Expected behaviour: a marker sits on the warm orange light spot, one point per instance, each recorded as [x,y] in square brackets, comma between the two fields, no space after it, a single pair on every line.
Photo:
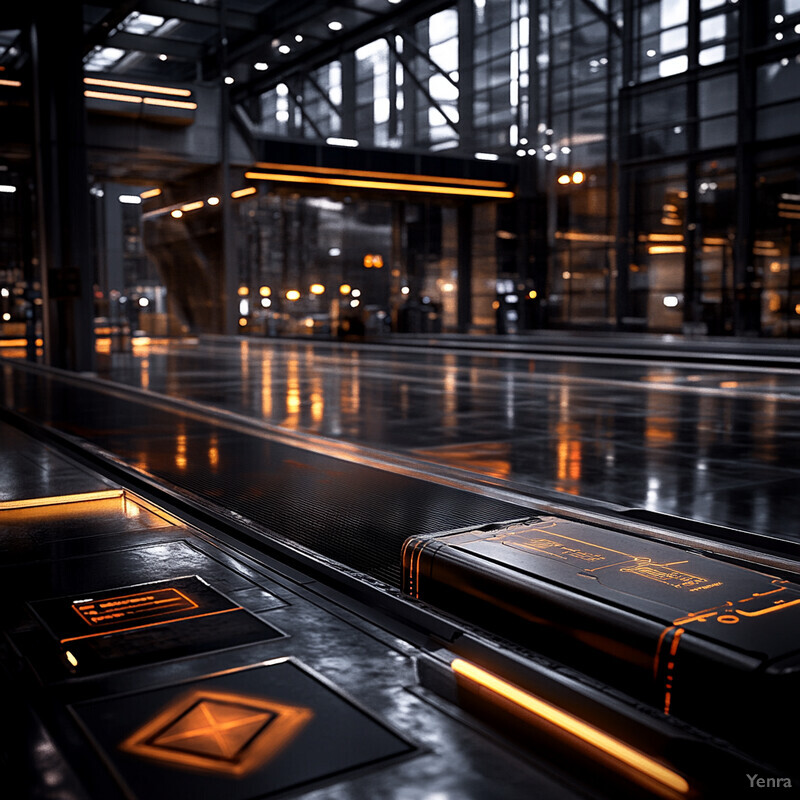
[176,213]
[265,291]
[293,295]
[496,305]
[71,658]
[578,177]
[243,291]
[244,192]
[242,322]
[317,288]
[563,179]
[345,288]
[150,193]
[192,206]
[663,249]
[594,737]
[532,294]
[382,175]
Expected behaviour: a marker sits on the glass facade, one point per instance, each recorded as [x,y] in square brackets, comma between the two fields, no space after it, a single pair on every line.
[654,142]
[655,148]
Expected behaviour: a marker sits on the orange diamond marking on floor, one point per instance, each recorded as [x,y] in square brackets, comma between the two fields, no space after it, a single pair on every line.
[218,731]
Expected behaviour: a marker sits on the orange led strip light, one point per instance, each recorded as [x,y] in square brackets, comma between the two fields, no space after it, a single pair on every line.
[587,733]
[382,175]
[138,87]
[387,185]
[36,502]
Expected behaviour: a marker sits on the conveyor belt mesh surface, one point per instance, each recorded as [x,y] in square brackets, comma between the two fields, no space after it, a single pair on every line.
[355,514]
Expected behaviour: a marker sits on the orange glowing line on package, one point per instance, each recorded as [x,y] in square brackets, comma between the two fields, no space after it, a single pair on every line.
[594,737]
[139,87]
[673,649]
[150,193]
[149,625]
[777,607]
[244,192]
[193,206]
[658,649]
[382,175]
[387,185]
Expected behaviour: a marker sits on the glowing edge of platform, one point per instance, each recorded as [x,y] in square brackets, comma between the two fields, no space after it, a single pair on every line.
[587,733]
[82,497]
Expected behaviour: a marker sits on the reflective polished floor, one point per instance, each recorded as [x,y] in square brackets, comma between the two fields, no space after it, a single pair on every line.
[719,444]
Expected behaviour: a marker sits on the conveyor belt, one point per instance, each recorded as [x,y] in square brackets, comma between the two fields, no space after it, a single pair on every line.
[354,514]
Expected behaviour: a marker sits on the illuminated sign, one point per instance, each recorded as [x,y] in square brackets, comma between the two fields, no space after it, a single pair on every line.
[218,731]
[153,621]
[133,608]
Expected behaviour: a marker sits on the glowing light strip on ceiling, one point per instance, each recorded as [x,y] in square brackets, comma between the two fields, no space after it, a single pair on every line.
[382,175]
[385,185]
[133,98]
[137,87]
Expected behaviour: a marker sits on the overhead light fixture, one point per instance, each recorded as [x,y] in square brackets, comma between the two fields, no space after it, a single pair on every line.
[138,87]
[6,189]
[261,66]
[285,49]
[162,56]
[383,175]
[423,188]
[339,142]
[130,199]
[298,38]
[228,80]
[335,25]
[487,156]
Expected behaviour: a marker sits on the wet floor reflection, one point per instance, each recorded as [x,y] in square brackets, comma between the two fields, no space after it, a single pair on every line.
[716,445]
